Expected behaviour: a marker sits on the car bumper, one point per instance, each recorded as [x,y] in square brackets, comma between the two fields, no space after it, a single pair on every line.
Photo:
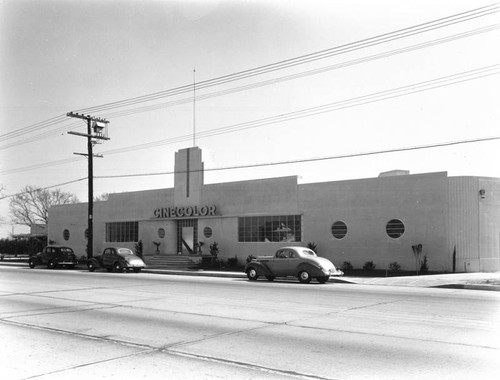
[136,265]
[333,272]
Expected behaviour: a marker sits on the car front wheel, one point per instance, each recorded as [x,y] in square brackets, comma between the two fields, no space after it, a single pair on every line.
[91,266]
[304,277]
[252,274]
[51,264]
[32,263]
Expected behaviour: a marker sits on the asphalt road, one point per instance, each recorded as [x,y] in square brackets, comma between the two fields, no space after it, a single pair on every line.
[63,324]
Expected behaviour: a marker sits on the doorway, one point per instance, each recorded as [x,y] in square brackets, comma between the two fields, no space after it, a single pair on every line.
[187,236]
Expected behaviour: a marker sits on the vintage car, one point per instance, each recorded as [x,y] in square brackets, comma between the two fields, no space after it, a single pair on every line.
[118,259]
[54,256]
[298,262]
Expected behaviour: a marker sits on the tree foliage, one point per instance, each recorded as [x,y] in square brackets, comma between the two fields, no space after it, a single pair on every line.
[32,204]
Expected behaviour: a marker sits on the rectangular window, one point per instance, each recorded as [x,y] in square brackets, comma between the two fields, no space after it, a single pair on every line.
[120,232]
[283,228]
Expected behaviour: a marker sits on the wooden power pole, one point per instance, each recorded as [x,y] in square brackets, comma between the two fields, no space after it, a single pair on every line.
[96,130]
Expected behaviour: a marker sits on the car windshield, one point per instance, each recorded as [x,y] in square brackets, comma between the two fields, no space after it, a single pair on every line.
[124,252]
[308,252]
[66,250]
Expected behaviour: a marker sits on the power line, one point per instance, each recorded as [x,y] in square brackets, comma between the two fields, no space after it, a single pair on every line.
[123,113]
[43,135]
[44,188]
[302,74]
[383,38]
[372,41]
[30,128]
[43,165]
[329,107]
[304,160]
[307,112]
[289,162]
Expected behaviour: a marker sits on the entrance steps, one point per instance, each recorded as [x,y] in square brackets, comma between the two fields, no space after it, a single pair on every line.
[178,262]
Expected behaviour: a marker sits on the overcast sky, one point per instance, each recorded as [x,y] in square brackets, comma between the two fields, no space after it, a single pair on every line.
[430,85]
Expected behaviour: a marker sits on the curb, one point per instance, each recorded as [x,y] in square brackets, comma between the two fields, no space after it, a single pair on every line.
[195,273]
[494,288]
[344,280]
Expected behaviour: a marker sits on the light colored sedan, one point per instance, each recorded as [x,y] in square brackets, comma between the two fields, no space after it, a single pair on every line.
[299,262]
[118,259]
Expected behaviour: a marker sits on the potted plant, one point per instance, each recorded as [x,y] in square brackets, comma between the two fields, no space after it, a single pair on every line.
[157,247]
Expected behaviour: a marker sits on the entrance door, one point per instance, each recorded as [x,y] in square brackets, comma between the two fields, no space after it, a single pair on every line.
[187,236]
[188,239]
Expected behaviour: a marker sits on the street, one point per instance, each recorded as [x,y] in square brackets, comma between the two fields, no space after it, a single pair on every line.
[59,324]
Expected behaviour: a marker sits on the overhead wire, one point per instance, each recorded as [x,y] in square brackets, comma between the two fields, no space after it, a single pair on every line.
[149,108]
[44,188]
[329,107]
[287,162]
[383,38]
[372,41]
[390,53]
[305,160]
[43,135]
[33,127]
[307,112]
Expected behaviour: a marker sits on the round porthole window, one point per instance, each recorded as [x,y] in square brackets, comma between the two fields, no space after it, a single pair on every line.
[395,228]
[161,233]
[207,232]
[66,234]
[339,230]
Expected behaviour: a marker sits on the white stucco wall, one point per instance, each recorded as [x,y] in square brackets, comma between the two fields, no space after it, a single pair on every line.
[365,206]
[438,212]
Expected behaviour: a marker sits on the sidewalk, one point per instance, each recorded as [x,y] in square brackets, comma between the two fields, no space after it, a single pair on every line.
[475,281]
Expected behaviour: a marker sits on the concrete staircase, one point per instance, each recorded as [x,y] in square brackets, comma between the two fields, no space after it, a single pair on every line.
[173,262]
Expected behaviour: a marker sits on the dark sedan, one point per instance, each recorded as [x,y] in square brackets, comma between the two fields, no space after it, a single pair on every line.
[54,256]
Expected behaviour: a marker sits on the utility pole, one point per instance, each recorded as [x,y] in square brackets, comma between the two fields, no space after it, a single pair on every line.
[96,130]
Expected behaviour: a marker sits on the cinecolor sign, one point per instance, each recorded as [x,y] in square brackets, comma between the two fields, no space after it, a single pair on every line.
[185,212]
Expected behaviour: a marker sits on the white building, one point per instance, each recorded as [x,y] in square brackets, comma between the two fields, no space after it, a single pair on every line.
[455,219]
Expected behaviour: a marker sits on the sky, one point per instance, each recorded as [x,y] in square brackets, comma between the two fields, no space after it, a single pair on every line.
[329,80]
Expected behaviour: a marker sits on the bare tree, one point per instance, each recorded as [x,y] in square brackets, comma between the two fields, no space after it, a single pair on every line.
[32,204]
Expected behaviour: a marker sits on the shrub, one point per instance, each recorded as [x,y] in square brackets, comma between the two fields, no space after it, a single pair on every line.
[312,246]
[232,262]
[346,265]
[394,266]
[424,267]
[250,258]
[139,248]
[214,252]
[369,266]
[214,249]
